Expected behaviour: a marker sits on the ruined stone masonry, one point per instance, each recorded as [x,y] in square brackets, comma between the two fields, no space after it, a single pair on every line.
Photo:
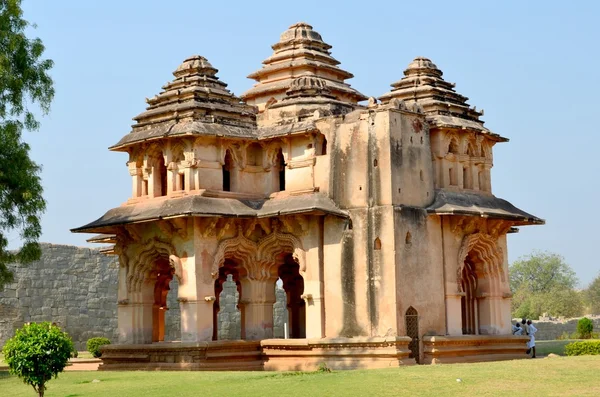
[73,287]
[377,215]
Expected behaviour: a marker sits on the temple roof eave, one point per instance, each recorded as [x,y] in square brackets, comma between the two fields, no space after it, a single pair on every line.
[174,130]
[449,202]
[452,122]
[201,206]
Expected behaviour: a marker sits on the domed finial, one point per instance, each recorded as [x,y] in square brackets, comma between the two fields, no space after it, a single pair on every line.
[422,65]
[301,25]
[195,64]
[300,31]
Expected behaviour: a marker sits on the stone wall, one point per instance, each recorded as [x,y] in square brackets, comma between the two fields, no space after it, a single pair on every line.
[553,329]
[77,289]
[71,286]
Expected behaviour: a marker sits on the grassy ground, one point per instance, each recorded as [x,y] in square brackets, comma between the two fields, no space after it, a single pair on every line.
[545,347]
[561,376]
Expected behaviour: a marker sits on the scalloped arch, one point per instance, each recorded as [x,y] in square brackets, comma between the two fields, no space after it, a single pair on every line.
[487,249]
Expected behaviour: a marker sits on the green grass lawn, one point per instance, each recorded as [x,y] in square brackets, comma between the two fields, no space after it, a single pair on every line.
[561,376]
[545,347]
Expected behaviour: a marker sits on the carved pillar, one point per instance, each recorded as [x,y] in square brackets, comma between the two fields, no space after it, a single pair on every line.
[137,178]
[258,299]
[197,293]
[312,272]
[142,304]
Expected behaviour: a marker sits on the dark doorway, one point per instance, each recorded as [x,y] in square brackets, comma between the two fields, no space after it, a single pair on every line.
[281,167]
[293,284]
[227,167]
[164,275]
[412,331]
[468,301]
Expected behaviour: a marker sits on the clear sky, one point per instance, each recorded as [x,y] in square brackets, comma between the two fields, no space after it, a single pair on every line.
[533,66]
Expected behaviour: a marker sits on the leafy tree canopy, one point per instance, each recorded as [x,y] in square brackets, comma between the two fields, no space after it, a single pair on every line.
[544,282]
[592,296]
[24,81]
[37,353]
[541,272]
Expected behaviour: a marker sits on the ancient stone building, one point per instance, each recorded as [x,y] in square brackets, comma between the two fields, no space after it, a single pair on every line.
[379,219]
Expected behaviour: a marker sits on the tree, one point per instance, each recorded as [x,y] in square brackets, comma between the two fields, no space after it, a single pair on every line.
[37,353]
[544,282]
[24,81]
[592,296]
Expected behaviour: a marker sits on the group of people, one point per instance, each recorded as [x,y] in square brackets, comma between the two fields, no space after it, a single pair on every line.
[526,328]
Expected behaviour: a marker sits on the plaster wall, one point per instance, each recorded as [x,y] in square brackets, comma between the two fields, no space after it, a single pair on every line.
[420,273]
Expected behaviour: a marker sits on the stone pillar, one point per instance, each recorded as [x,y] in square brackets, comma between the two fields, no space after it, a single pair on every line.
[454,314]
[142,313]
[258,297]
[137,177]
[313,283]
[196,296]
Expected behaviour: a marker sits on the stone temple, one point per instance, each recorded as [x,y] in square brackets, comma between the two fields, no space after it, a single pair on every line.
[378,218]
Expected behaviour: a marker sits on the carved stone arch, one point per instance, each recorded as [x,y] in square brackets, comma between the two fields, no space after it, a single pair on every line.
[470,148]
[144,262]
[175,263]
[272,152]
[486,150]
[488,250]
[178,150]
[278,243]
[239,248]
[154,151]
[451,143]
[234,149]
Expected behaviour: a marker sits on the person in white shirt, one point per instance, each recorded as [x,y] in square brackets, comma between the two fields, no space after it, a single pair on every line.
[532,331]
[517,330]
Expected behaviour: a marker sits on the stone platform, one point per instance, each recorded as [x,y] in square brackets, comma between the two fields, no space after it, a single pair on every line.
[268,354]
[473,348]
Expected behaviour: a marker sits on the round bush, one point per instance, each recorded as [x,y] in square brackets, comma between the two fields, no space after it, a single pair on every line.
[37,353]
[93,345]
[585,327]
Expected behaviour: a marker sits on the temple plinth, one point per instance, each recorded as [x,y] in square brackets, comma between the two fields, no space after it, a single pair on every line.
[376,218]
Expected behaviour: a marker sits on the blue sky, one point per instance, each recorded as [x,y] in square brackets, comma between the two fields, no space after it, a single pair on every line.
[533,67]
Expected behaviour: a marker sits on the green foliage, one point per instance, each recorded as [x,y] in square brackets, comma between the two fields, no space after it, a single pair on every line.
[37,353]
[585,327]
[323,368]
[544,282]
[93,345]
[592,296]
[24,81]
[588,347]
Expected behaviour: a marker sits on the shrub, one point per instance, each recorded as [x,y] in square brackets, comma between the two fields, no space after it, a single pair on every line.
[38,352]
[585,326]
[323,368]
[588,347]
[93,345]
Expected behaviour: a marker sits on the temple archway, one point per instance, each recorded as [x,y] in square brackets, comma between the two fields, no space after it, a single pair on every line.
[481,282]
[468,301]
[164,275]
[293,285]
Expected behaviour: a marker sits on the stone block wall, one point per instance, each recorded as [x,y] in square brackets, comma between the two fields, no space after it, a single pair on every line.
[553,329]
[71,286]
